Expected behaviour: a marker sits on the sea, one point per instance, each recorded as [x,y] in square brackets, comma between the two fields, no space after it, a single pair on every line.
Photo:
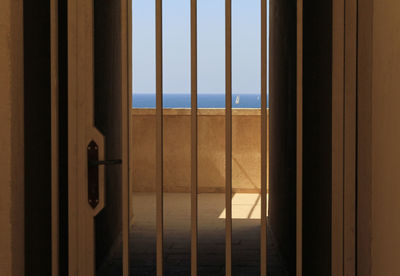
[182,100]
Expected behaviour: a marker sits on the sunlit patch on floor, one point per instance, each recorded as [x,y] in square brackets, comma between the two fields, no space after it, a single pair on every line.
[245,206]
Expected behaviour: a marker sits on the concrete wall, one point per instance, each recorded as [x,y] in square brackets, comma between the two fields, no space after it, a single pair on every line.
[11,139]
[211,130]
[385,148]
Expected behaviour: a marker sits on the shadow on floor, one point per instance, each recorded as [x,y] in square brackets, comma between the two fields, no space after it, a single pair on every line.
[211,237]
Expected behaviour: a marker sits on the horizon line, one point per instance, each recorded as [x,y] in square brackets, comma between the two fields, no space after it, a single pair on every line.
[188,93]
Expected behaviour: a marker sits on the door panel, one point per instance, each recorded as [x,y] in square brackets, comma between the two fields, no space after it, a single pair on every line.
[98,111]
[81,132]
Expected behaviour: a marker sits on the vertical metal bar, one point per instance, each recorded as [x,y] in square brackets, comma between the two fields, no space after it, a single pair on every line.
[194,178]
[228,136]
[159,138]
[299,144]
[264,129]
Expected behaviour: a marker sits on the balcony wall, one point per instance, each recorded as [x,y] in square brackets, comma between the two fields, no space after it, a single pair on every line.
[246,145]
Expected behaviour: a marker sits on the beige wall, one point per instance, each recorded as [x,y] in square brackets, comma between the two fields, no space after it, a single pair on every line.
[246,139]
[386,138]
[11,139]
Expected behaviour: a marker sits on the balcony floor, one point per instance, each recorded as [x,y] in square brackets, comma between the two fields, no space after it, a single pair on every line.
[211,236]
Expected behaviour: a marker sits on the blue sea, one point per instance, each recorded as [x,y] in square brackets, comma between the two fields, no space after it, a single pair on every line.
[203,100]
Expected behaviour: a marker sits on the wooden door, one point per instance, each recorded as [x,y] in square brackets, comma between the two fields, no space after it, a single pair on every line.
[98,108]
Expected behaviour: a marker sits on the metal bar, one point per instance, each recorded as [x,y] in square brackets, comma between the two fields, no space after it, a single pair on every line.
[194,173]
[159,138]
[299,144]
[228,136]
[264,129]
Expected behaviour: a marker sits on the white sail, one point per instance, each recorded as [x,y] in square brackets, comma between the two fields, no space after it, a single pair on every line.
[237,99]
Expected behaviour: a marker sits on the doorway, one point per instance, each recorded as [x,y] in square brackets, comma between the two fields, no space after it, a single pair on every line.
[151,199]
[110,73]
[101,128]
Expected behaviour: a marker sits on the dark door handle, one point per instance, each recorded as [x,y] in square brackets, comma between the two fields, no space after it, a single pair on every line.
[93,172]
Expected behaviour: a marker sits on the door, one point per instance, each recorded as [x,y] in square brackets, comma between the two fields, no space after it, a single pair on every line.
[98,120]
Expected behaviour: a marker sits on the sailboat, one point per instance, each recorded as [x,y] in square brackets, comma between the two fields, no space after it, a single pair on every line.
[237,99]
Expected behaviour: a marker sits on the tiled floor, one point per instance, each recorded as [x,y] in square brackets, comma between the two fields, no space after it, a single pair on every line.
[211,237]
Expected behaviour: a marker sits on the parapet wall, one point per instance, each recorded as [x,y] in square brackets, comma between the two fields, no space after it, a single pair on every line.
[246,146]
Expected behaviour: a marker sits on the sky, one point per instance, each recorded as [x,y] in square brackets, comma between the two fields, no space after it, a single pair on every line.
[246,46]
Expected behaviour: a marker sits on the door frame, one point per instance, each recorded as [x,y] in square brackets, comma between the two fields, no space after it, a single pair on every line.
[126,98]
[343,186]
[364,136]
[344,137]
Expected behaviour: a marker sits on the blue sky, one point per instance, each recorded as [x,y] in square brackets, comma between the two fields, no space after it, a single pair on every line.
[211,46]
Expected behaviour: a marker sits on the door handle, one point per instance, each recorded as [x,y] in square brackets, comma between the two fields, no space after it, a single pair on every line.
[93,172]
